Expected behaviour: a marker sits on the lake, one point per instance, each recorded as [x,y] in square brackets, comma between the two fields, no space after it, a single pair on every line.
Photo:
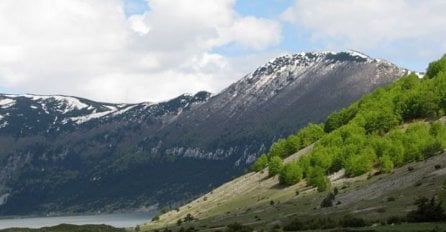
[115,220]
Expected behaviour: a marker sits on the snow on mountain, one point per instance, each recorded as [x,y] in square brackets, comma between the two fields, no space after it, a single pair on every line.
[29,113]
[6,103]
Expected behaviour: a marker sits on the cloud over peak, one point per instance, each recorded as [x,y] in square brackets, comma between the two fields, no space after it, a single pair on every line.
[92,49]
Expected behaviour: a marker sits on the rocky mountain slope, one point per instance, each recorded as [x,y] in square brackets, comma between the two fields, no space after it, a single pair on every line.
[68,154]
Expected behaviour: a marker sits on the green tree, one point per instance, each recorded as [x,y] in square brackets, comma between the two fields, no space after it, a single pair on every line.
[416,139]
[260,163]
[361,163]
[317,178]
[310,134]
[280,149]
[436,67]
[380,121]
[305,163]
[293,144]
[322,157]
[338,119]
[290,174]
[386,163]
[275,165]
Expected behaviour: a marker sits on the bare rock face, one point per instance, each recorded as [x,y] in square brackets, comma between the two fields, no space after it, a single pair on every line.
[69,154]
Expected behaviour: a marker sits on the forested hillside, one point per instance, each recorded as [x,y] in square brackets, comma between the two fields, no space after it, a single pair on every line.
[385,129]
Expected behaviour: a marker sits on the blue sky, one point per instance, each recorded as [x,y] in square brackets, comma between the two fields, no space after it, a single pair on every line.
[153,50]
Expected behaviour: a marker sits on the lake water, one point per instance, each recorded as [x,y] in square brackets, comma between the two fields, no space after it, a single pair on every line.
[116,220]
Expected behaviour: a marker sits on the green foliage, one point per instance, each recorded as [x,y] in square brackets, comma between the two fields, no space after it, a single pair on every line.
[306,136]
[386,163]
[361,163]
[416,140]
[317,178]
[322,157]
[436,67]
[305,163]
[290,174]
[260,163]
[310,134]
[338,119]
[380,121]
[275,166]
[280,149]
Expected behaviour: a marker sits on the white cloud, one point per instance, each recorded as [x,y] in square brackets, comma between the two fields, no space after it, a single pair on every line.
[90,48]
[396,25]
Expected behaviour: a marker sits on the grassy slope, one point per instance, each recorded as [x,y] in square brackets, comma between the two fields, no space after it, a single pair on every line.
[247,199]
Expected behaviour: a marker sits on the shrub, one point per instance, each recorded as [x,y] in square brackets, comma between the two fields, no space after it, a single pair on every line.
[436,67]
[318,179]
[290,174]
[156,218]
[386,164]
[189,218]
[275,166]
[328,200]
[361,163]
[260,163]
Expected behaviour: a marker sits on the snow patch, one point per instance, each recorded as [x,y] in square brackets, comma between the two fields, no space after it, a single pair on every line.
[359,54]
[86,118]
[123,110]
[6,103]
[4,124]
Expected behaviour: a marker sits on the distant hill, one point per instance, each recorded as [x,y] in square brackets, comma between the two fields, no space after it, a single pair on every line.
[68,154]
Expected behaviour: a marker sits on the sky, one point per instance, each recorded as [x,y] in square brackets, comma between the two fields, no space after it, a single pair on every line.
[127,51]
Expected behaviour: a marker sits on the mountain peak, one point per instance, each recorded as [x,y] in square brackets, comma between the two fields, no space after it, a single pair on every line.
[306,59]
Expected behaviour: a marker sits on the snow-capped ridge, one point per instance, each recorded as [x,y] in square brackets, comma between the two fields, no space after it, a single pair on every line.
[306,59]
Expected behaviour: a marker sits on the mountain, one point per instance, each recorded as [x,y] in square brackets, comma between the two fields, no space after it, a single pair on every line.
[377,163]
[68,154]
